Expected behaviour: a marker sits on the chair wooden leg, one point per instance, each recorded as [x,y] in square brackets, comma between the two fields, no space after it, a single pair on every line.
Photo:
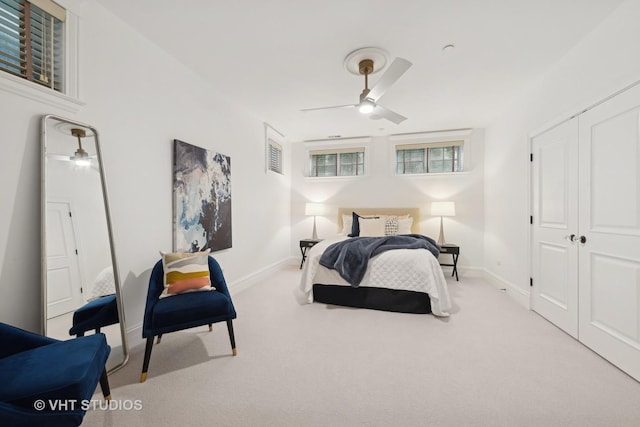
[97,330]
[79,334]
[210,327]
[159,338]
[104,385]
[147,357]
[232,338]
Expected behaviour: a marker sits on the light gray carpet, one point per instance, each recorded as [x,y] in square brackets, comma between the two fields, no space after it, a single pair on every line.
[492,363]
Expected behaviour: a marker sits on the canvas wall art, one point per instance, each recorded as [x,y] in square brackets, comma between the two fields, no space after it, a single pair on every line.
[201,198]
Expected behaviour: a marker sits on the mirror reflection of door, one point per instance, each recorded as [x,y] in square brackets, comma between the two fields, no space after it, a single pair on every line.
[77,243]
[64,293]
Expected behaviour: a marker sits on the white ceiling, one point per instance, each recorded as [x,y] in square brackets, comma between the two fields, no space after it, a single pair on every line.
[275,57]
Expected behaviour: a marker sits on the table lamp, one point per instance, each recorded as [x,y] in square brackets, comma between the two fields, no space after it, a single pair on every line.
[442,209]
[314,209]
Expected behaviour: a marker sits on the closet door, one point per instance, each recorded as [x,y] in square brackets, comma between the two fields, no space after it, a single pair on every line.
[609,216]
[555,219]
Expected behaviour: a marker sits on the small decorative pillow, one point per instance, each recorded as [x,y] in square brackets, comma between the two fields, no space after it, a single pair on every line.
[372,227]
[185,272]
[391,226]
[404,226]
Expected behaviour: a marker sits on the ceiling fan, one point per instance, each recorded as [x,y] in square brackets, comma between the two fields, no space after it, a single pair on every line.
[80,157]
[369,97]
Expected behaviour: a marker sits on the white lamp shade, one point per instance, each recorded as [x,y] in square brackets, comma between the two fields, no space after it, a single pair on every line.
[443,209]
[313,209]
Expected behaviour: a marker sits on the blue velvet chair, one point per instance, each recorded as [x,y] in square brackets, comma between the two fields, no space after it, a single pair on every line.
[186,310]
[94,315]
[44,382]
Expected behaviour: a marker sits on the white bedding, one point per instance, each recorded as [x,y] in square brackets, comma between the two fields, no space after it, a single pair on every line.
[408,269]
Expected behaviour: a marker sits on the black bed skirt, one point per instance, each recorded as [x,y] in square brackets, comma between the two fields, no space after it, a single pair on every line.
[373,298]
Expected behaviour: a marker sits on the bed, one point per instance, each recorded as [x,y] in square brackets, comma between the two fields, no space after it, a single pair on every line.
[400,280]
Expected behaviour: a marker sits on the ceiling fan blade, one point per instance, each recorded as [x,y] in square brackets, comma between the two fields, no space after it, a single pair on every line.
[66,157]
[328,108]
[62,157]
[397,68]
[383,113]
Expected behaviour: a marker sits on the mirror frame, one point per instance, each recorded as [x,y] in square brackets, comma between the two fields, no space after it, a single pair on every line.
[43,231]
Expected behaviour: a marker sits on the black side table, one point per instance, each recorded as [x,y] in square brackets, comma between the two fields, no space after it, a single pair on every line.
[454,250]
[305,245]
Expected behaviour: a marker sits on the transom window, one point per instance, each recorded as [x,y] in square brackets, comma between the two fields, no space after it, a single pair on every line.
[274,157]
[32,41]
[341,162]
[436,157]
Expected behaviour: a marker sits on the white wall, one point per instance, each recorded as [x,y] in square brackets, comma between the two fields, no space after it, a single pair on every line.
[601,64]
[139,99]
[381,187]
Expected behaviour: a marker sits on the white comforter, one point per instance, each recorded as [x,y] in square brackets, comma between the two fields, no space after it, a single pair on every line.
[408,269]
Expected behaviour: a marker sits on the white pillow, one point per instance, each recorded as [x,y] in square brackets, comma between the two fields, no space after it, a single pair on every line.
[371,227]
[404,226]
[347,223]
[104,284]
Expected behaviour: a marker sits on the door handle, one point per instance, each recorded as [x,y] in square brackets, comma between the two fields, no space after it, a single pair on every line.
[583,240]
[570,237]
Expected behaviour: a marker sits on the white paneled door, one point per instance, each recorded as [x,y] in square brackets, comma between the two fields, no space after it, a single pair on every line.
[610,223]
[585,238]
[64,285]
[555,226]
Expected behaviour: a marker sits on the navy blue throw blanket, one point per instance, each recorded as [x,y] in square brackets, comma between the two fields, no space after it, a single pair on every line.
[350,257]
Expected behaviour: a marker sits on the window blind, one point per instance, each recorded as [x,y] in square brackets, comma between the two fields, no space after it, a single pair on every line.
[337,151]
[275,157]
[429,145]
[32,41]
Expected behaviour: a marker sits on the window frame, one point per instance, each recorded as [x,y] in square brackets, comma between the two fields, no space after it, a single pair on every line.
[69,99]
[427,158]
[338,163]
[337,146]
[273,139]
[427,141]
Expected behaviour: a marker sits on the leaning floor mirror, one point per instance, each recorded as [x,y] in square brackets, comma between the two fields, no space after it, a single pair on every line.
[81,292]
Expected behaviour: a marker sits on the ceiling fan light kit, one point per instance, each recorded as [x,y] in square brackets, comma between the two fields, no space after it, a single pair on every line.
[366,106]
[367,61]
[81,157]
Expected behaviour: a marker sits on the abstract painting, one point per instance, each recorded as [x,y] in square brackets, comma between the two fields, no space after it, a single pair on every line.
[201,199]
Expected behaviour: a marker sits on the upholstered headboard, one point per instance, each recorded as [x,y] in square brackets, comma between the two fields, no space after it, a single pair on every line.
[412,212]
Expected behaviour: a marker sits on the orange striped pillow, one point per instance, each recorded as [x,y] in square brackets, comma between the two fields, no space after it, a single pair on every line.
[185,272]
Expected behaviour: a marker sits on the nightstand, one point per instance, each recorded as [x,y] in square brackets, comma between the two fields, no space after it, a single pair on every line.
[305,245]
[454,250]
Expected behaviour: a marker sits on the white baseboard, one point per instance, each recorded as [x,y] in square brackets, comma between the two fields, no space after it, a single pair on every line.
[466,271]
[521,296]
[134,335]
[249,280]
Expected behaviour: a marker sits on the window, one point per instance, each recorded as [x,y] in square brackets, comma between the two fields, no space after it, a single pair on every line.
[436,157]
[32,41]
[274,157]
[345,162]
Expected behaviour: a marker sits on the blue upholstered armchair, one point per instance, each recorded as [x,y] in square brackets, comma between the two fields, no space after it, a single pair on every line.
[94,315]
[185,310]
[44,382]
